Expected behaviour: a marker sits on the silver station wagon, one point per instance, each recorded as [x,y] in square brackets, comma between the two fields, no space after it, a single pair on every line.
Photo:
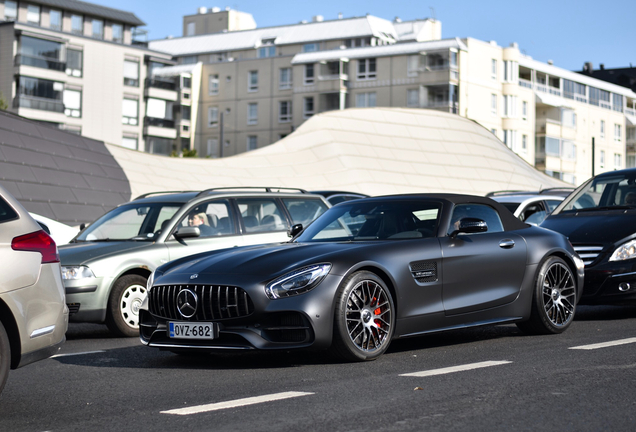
[106,267]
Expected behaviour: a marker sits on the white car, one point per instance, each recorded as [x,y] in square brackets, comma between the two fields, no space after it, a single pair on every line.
[61,233]
[529,207]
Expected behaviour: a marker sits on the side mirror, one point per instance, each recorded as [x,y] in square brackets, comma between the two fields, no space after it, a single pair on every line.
[470,225]
[187,232]
[295,230]
[82,226]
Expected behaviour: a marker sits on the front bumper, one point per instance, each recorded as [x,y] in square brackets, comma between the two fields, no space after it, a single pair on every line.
[87,299]
[610,283]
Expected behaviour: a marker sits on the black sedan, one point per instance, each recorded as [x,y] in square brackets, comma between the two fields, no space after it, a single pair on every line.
[599,218]
[366,272]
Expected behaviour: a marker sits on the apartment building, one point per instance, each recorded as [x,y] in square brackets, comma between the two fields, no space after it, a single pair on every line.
[259,84]
[79,66]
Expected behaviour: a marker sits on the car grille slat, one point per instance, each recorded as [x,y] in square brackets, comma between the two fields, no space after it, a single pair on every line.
[214,302]
[588,253]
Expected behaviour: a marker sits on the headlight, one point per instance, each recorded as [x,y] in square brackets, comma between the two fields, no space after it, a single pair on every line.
[76,272]
[151,280]
[297,282]
[624,252]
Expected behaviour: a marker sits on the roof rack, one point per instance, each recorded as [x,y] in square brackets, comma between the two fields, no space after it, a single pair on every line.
[146,195]
[556,189]
[264,188]
[509,192]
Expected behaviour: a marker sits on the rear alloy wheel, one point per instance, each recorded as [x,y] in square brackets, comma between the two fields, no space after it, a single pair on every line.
[126,297]
[553,300]
[5,356]
[364,318]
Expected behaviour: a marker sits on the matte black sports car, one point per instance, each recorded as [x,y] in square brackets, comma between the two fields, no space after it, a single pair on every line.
[366,272]
[599,218]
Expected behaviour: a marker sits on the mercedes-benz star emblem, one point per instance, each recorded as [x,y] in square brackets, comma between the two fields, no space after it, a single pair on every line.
[187,303]
[194,276]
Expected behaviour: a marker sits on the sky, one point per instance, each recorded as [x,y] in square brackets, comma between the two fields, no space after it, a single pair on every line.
[567,32]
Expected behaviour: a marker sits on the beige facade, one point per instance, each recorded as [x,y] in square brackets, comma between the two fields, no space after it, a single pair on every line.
[215,20]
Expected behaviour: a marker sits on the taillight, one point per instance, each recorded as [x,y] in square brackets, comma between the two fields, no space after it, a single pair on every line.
[38,241]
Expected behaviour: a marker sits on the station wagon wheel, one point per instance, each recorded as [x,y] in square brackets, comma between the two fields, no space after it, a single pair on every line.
[122,314]
[364,318]
[5,356]
[553,300]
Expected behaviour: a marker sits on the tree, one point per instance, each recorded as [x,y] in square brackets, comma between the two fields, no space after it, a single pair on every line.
[3,103]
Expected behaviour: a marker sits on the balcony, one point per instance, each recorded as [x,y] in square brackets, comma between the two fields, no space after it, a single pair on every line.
[158,127]
[161,89]
[40,62]
[161,84]
[38,103]
[159,122]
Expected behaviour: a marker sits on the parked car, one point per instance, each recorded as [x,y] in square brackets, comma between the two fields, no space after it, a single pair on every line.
[529,207]
[599,218]
[106,266]
[33,314]
[61,233]
[336,197]
[366,272]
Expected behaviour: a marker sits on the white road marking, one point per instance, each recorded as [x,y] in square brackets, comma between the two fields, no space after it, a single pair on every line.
[452,369]
[605,344]
[235,403]
[76,354]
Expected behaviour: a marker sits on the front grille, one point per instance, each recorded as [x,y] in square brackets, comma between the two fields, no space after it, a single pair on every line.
[214,302]
[289,327]
[424,271]
[588,253]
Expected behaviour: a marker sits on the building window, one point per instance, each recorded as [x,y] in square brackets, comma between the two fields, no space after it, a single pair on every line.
[10,10]
[509,106]
[511,71]
[98,29]
[40,53]
[186,112]
[310,47]
[55,19]
[188,60]
[130,112]
[252,143]
[186,82]
[568,150]
[118,33]
[617,133]
[493,103]
[568,118]
[284,111]
[602,128]
[493,131]
[510,139]
[366,69]
[453,59]
[40,94]
[212,148]
[601,161]
[160,109]
[213,116]
[493,69]
[412,65]
[617,161]
[630,161]
[190,29]
[365,100]
[413,98]
[131,73]
[33,14]
[129,142]
[524,110]
[252,81]
[73,103]
[267,51]
[77,24]
[524,143]
[285,81]
[574,90]
[309,74]
[213,85]
[74,62]
[252,113]
[308,108]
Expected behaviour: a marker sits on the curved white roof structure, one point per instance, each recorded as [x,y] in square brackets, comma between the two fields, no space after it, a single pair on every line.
[375,151]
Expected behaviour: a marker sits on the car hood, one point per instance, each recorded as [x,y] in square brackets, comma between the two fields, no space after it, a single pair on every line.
[601,227]
[85,252]
[263,260]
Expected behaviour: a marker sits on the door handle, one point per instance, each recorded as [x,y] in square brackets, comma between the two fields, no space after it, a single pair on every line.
[507,244]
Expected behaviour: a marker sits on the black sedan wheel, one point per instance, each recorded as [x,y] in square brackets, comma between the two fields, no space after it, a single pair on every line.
[364,318]
[5,357]
[554,299]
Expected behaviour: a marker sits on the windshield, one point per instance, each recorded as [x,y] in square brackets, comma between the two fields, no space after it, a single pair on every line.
[602,193]
[140,222]
[363,221]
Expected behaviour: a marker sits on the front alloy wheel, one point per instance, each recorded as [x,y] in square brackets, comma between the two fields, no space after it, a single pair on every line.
[364,318]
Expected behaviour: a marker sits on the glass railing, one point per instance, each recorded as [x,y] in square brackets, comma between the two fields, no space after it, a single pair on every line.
[40,62]
[161,84]
[159,122]
[38,103]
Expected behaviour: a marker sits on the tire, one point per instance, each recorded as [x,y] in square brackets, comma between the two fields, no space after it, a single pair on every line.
[364,318]
[553,299]
[5,357]
[122,313]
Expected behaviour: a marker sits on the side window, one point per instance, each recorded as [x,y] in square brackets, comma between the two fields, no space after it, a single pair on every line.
[213,218]
[552,204]
[261,215]
[304,211]
[532,209]
[6,211]
[479,211]
[165,214]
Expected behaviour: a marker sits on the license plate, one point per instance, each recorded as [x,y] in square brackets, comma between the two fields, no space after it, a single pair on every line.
[186,330]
